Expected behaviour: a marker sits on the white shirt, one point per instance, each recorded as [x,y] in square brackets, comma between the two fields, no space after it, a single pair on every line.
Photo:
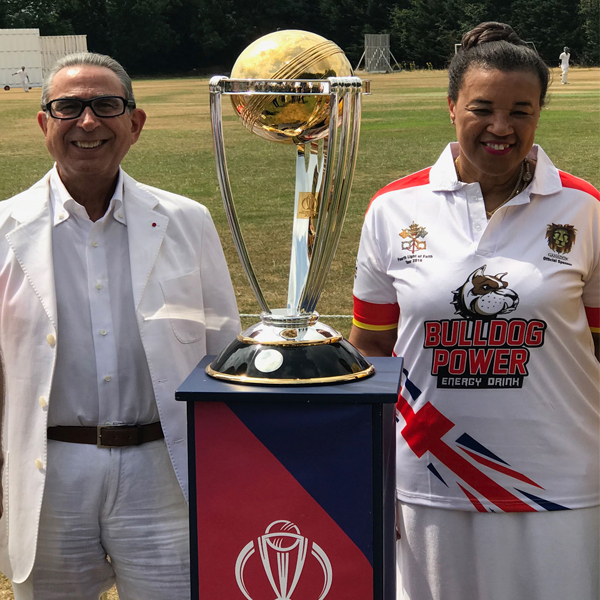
[101,371]
[500,401]
[564,60]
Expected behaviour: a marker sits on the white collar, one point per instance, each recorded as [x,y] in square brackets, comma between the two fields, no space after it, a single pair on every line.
[546,179]
[63,205]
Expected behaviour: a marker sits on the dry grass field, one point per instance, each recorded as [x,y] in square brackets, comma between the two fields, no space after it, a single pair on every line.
[405,127]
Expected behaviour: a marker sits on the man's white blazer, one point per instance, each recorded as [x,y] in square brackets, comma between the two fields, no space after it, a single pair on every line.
[185,308]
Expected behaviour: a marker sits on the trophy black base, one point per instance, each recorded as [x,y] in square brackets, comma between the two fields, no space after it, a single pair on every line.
[318,362]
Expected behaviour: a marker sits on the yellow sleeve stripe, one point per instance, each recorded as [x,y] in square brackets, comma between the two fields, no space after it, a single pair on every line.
[592,329]
[374,327]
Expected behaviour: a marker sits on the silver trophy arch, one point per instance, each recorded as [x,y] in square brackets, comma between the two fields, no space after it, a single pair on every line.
[290,345]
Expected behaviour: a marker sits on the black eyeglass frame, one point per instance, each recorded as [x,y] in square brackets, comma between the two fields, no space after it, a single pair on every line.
[85,103]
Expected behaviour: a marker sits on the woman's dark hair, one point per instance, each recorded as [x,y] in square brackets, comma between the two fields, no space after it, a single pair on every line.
[495,46]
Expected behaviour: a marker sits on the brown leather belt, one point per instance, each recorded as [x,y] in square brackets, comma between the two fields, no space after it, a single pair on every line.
[107,436]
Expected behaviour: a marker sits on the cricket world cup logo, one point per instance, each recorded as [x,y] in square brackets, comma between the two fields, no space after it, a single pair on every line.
[283,552]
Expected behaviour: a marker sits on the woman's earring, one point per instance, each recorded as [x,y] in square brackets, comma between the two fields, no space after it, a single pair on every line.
[452,120]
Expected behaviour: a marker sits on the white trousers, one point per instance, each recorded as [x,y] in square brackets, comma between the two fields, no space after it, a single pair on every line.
[459,555]
[125,503]
[563,75]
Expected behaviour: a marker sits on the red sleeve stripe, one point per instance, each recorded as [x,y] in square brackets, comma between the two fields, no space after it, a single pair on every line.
[570,181]
[414,180]
[593,317]
[377,317]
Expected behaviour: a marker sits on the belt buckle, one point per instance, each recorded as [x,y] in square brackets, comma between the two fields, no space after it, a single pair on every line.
[100,429]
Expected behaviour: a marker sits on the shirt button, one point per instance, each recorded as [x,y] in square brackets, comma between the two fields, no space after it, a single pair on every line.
[477,226]
[98,286]
[120,216]
[103,332]
[107,378]
[43,403]
[95,244]
[61,215]
[39,464]
[51,340]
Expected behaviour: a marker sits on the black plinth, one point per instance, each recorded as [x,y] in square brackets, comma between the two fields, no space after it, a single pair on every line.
[292,489]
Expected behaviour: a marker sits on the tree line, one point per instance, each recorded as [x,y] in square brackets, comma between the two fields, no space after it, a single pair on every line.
[153,37]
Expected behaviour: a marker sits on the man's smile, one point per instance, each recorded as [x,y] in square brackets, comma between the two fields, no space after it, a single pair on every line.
[88,145]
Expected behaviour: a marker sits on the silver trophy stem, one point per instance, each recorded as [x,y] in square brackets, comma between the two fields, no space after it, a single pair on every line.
[311,292]
[336,188]
[226,194]
[309,175]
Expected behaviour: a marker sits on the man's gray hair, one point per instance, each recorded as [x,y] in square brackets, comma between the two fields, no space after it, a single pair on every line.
[87,58]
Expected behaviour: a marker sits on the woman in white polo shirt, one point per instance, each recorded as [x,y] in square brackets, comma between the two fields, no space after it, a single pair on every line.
[483,272]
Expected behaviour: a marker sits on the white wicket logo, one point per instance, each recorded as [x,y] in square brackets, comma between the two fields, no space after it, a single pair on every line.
[279,540]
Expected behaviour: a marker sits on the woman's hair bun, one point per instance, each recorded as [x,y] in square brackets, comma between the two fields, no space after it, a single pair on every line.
[490,31]
[495,46]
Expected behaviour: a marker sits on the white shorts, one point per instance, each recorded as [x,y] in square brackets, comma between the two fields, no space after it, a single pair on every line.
[460,555]
[125,503]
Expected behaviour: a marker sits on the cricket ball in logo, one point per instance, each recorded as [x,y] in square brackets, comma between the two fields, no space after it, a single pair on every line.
[283,552]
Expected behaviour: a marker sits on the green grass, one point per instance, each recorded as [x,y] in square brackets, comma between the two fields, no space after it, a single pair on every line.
[404,128]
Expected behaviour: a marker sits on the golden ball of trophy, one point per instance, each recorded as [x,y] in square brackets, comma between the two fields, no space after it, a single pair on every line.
[288,54]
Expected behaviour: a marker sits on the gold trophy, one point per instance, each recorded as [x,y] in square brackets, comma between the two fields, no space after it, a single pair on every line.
[295,87]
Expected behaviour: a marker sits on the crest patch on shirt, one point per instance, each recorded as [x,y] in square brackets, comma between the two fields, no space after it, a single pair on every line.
[561,238]
[411,236]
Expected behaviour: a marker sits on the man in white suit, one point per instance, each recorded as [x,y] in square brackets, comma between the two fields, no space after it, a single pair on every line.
[110,293]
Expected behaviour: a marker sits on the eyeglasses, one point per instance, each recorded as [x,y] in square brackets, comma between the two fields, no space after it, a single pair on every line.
[104,107]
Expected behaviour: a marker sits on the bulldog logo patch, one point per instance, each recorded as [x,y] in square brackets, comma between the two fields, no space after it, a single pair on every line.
[484,296]
[481,350]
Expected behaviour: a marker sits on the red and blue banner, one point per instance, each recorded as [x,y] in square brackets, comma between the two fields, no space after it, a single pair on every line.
[292,488]
[285,500]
